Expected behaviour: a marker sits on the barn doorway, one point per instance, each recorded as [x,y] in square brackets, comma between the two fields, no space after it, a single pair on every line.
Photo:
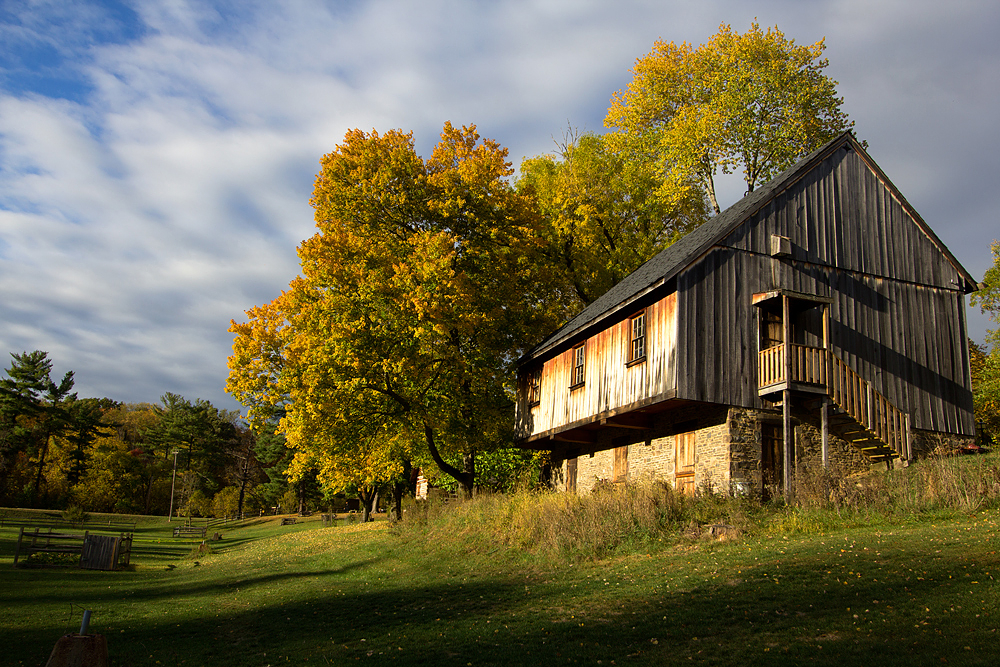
[684,462]
[621,464]
[772,469]
[571,475]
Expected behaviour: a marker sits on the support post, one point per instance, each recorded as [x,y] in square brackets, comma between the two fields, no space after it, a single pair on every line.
[786,399]
[869,416]
[173,478]
[825,426]
[787,443]
[17,549]
[909,442]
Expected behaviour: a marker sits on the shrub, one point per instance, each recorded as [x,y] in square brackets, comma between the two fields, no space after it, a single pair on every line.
[226,502]
[75,515]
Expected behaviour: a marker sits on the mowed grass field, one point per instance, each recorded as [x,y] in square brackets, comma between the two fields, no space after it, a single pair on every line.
[919,593]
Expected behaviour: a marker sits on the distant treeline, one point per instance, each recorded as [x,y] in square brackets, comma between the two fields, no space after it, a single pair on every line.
[58,450]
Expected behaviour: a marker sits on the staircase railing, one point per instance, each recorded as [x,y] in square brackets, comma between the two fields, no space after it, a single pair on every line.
[853,394]
[868,406]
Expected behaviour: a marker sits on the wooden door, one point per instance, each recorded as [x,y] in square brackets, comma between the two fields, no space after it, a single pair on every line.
[621,464]
[771,460]
[772,329]
[684,460]
[571,475]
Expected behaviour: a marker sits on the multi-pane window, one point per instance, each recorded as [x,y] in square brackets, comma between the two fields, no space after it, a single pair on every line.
[535,386]
[579,360]
[637,346]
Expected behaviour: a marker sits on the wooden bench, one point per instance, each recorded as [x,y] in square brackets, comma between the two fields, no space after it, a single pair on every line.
[288,521]
[190,531]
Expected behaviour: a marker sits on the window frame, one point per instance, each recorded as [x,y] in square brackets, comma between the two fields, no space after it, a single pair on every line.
[534,387]
[579,373]
[633,339]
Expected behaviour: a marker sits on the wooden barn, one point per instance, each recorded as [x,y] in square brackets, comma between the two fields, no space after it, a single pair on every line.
[817,322]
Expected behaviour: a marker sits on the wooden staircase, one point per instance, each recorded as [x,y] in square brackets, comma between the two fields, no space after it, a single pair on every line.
[857,412]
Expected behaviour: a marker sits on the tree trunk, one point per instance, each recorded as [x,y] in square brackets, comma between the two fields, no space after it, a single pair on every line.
[239,505]
[465,478]
[41,465]
[396,510]
[367,496]
[469,476]
[149,491]
[710,190]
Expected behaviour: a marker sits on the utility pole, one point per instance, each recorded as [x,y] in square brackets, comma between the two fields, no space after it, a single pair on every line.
[173,478]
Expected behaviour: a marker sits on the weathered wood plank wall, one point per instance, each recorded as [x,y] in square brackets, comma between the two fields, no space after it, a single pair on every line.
[610,383]
[897,316]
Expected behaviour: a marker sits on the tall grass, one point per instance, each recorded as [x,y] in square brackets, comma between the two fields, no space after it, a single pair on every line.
[625,518]
[936,483]
[612,519]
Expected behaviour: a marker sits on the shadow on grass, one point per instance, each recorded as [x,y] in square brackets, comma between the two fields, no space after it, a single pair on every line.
[59,583]
[782,613]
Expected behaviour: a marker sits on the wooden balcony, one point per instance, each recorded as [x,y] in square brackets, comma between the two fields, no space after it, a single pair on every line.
[808,368]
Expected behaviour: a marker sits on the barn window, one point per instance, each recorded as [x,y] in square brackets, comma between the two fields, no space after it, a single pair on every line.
[579,359]
[637,338]
[535,386]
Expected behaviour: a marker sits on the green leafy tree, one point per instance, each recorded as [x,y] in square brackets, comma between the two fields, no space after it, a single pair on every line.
[33,411]
[985,392]
[602,219]
[986,362]
[756,102]
[227,502]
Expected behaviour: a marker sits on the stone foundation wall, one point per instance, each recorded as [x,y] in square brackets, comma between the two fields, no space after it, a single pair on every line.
[845,459]
[653,457]
[593,467]
[928,443]
[745,438]
[728,451]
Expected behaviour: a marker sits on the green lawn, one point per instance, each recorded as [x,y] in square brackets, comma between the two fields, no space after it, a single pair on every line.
[923,593]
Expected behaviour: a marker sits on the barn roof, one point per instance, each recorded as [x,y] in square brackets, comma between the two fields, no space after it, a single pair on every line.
[690,248]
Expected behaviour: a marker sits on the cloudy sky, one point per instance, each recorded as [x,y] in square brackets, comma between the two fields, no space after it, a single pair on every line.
[157,157]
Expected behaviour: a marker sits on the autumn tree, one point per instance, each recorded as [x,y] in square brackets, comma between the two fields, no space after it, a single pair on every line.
[417,294]
[755,102]
[985,360]
[602,216]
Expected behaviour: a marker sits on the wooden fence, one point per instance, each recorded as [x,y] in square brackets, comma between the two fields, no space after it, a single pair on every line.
[96,552]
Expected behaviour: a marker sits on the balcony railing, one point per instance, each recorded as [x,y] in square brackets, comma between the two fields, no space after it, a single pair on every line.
[808,366]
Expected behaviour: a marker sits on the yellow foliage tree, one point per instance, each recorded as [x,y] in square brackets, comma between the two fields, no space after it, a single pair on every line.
[605,211]
[985,360]
[756,102]
[417,293]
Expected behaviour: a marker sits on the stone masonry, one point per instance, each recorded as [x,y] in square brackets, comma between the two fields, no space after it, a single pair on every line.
[728,451]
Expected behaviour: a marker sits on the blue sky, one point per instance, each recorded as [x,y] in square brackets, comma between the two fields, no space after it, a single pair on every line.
[156,158]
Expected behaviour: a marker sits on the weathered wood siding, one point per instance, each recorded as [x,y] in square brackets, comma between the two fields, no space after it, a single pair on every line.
[609,382]
[897,317]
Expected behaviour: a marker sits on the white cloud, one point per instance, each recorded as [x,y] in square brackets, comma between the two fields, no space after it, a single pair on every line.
[137,220]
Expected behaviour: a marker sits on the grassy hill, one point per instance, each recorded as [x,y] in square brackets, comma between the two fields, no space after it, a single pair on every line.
[825,585]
